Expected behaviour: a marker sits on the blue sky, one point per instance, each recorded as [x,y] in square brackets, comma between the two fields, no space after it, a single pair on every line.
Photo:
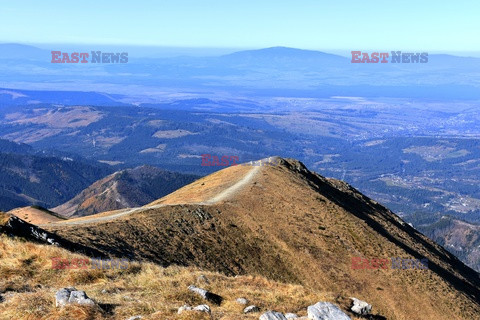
[343,25]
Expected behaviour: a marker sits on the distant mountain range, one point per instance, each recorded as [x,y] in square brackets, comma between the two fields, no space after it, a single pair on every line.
[276,71]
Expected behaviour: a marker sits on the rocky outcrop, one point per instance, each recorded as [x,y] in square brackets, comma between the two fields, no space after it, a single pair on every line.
[71,295]
[15,226]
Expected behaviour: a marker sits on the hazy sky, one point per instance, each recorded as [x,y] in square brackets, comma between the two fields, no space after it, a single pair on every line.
[420,25]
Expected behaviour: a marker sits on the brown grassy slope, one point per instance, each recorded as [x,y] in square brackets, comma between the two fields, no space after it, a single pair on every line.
[28,285]
[292,225]
[35,215]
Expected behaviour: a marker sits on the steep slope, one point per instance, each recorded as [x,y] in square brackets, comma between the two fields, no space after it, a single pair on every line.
[287,223]
[124,189]
[459,237]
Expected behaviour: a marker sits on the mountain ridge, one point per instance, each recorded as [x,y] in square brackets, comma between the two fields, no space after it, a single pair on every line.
[307,235]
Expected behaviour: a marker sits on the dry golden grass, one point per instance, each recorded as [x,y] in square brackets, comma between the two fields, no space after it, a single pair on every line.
[3,218]
[205,188]
[28,285]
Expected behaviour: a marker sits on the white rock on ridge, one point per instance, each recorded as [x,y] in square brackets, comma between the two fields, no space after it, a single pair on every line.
[251,309]
[326,311]
[360,307]
[272,315]
[242,301]
[72,296]
[202,308]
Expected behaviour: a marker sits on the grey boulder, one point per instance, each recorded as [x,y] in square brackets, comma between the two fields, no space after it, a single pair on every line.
[326,311]
[360,307]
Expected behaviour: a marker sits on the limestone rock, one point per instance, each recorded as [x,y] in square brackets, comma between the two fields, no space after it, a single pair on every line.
[326,311]
[202,308]
[209,296]
[360,307]
[72,296]
[251,309]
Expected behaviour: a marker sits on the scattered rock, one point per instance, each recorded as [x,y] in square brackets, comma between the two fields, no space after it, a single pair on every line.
[251,309]
[203,308]
[183,308]
[242,301]
[360,307]
[291,316]
[135,318]
[326,311]
[209,296]
[72,296]
[272,315]
[203,279]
